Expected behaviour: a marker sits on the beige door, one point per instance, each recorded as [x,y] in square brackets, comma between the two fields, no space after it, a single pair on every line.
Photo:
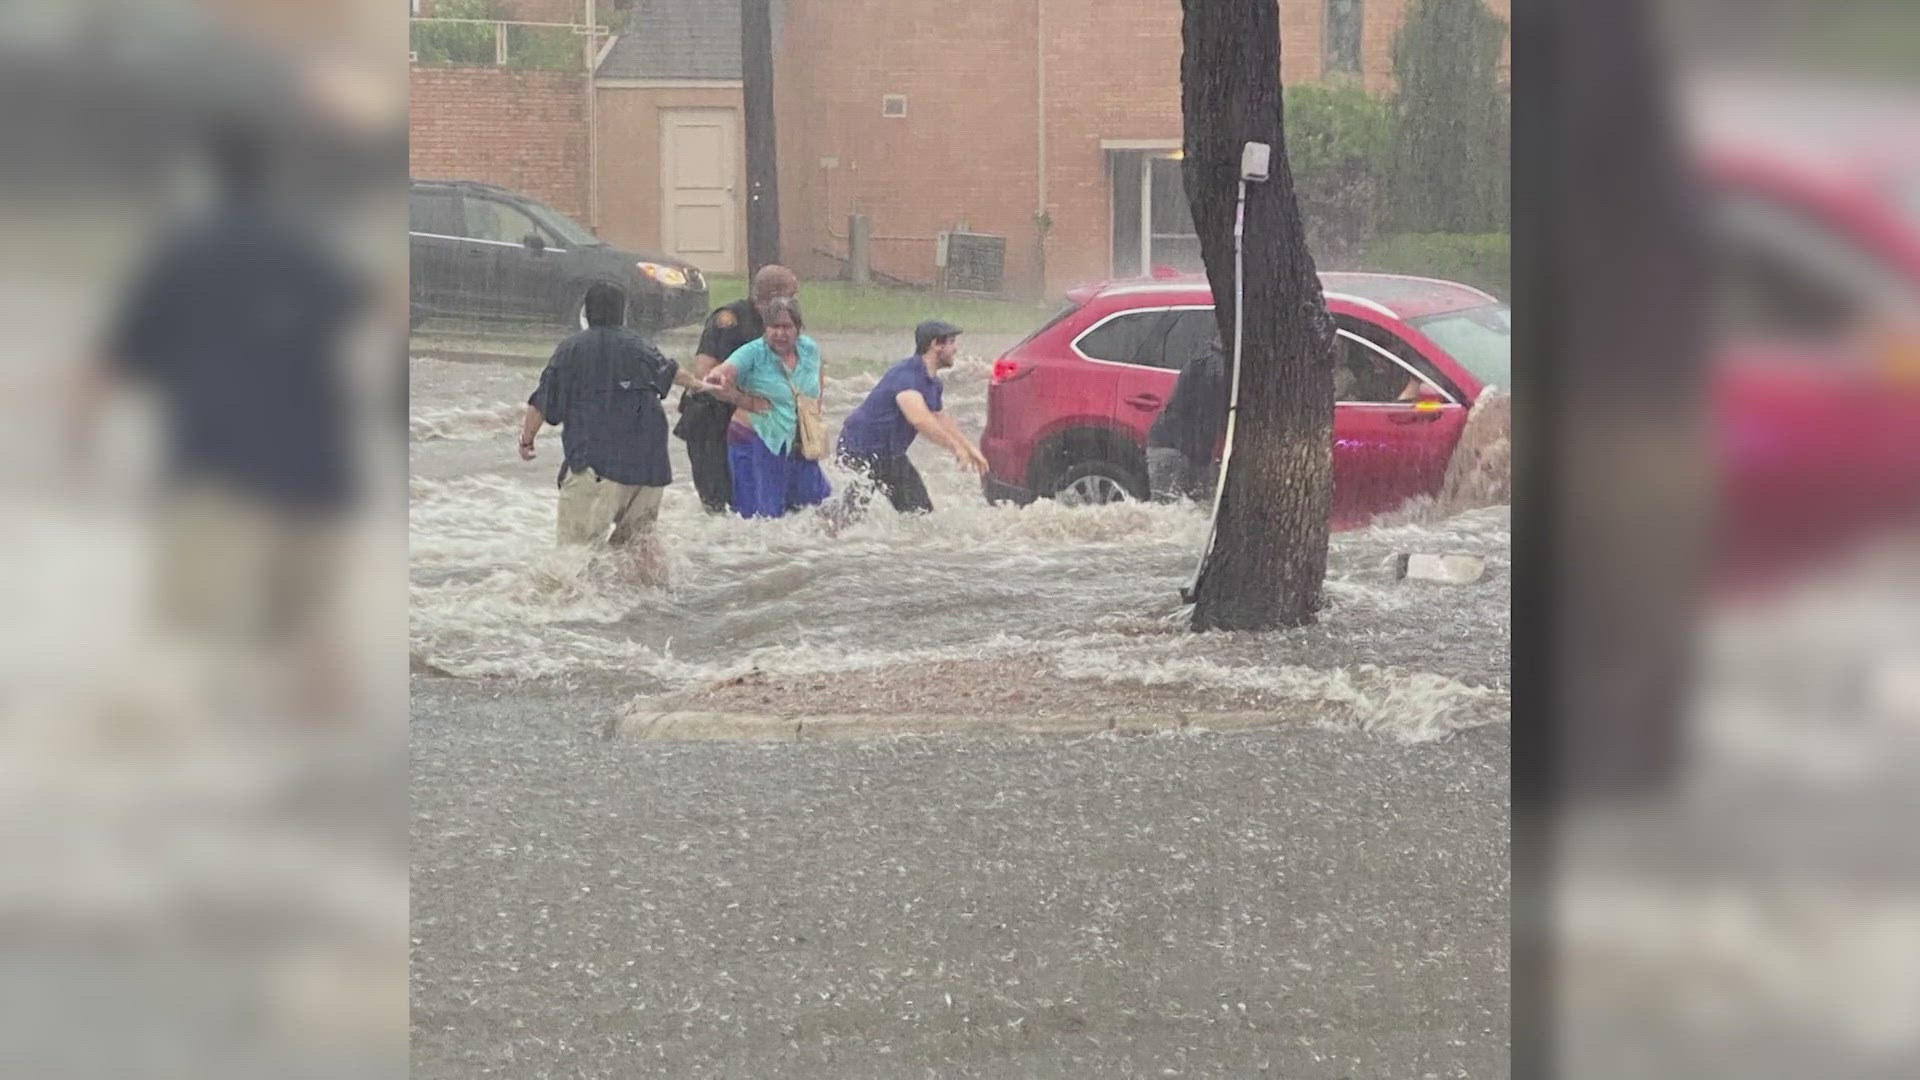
[698,152]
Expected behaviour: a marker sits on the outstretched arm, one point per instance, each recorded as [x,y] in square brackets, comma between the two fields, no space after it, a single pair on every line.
[975,459]
[931,424]
[721,383]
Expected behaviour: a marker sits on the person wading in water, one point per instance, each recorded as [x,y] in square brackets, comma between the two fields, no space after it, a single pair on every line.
[704,418]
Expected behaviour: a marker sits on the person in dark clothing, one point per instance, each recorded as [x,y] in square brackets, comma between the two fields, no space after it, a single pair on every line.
[237,324]
[904,404]
[1185,438]
[704,418]
[603,387]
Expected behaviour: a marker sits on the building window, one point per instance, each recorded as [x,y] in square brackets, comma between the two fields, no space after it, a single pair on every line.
[1344,19]
[893,106]
[1152,224]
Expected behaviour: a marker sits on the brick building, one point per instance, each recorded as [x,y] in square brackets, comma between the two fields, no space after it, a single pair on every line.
[525,130]
[925,116]
[521,129]
[986,115]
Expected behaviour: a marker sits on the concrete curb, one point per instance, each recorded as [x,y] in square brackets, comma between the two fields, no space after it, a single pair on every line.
[768,728]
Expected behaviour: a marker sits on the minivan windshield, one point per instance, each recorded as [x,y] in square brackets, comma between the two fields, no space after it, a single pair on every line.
[1480,339]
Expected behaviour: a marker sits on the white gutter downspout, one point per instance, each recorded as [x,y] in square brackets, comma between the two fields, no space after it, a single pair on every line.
[593,121]
[1040,128]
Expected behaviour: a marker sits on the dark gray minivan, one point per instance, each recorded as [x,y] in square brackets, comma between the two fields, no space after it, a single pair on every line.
[480,251]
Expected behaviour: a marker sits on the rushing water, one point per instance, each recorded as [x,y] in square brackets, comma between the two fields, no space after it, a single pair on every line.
[1073,605]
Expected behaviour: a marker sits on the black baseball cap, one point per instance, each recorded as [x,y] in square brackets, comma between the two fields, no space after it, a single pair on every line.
[931,331]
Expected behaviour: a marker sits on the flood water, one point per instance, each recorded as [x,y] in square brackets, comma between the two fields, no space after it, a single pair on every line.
[1044,608]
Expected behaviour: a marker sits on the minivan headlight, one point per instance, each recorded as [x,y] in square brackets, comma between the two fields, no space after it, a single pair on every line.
[670,276]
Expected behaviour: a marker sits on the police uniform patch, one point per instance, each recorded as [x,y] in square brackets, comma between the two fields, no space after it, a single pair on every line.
[725,319]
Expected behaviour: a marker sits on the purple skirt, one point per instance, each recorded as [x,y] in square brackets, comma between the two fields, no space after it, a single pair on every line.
[768,485]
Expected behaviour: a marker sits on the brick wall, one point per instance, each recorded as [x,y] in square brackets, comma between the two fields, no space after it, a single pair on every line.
[525,130]
[967,150]
[964,151]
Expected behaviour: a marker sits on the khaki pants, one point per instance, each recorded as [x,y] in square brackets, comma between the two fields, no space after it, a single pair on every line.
[597,511]
[230,566]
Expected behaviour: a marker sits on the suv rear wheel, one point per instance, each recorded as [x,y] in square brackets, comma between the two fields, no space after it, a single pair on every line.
[1097,483]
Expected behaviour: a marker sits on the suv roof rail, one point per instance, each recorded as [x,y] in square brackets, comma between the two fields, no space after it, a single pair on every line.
[481,185]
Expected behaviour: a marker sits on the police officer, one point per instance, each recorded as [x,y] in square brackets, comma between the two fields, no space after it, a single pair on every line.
[704,417]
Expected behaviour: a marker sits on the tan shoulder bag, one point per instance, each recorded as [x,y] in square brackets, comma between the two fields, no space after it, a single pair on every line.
[812,433]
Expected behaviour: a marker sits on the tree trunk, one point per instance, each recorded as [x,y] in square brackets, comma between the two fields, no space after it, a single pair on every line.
[763,176]
[1615,302]
[1269,556]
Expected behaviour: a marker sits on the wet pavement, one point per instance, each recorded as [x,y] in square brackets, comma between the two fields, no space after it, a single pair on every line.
[1287,903]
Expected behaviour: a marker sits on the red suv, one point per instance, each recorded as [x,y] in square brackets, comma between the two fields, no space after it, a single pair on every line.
[1069,408]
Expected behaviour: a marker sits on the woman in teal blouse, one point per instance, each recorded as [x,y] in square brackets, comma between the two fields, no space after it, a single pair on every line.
[770,477]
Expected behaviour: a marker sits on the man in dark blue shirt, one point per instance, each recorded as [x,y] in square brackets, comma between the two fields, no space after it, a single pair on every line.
[603,387]
[239,324]
[906,403]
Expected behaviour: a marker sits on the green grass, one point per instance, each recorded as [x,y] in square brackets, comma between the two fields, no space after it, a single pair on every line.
[832,306]
[1483,260]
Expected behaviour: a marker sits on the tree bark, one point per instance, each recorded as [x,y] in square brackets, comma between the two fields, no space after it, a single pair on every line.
[1268,561]
[1615,303]
[763,176]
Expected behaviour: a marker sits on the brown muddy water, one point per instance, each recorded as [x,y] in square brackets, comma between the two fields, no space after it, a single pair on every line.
[1043,610]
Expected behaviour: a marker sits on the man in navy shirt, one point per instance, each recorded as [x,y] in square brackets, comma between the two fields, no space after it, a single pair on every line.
[603,387]
[906,403]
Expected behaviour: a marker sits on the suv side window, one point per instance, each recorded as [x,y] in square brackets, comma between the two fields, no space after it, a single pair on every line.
[1190,337]
[1361,375]
[488,219]
[1358,372]
[433,212]
[1133,338]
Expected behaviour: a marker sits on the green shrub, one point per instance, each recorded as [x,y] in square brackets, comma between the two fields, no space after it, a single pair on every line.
[536,48]
[1452,121]
[456,43]
[1483,260]
[1339,140]
[541,48]
[1336,123]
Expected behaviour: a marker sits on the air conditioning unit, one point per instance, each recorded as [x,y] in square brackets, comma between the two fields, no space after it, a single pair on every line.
[975,263]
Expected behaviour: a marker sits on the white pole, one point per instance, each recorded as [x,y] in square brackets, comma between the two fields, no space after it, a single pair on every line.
[593,122]
[1233,395]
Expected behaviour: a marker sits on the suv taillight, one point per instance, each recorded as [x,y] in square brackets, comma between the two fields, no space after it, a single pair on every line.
[1006,369]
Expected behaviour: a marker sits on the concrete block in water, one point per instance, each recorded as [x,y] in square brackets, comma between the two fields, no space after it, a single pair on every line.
[1445,569]
[705,727]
